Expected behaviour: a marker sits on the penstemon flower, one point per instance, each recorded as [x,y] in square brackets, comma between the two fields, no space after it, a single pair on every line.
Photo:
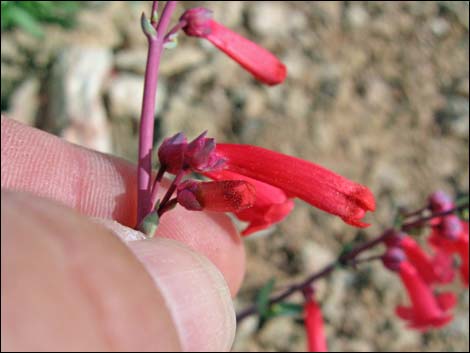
[176,154]
[271,205]
[458,245]
[427,310]
[314,326]
[449,234]
[437,269]
[310,182]
[276,178]
[262,64]
[439,201]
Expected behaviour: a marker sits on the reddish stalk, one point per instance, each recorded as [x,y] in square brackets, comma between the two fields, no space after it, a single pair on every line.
[156,184]
[144,169]
[171,190]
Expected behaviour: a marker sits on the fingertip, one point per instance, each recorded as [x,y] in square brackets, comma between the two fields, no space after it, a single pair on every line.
[195,292]
[211,234]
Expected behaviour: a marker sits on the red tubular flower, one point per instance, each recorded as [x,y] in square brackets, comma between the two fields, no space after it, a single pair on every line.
[464,258]
[458,245]
[449,227]
[218,196]
[310,182]
[271,206]
[314,327]
[437,269]
[427,310]
[263,65]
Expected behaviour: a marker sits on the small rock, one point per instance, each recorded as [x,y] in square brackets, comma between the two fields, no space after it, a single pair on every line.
[76,108]
[315,257]
[230,13]
[125,96]
[298,103]
[268,18]
[379,94]
[255,103]
[131,60]
[454,116]
[357,16]
[24,102]
[440,26]
[177,61]
[278,333]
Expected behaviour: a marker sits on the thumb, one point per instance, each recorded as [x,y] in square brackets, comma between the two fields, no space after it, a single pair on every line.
[194,289]
[69,284]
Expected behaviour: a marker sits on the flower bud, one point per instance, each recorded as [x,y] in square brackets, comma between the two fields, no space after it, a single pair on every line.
[197,21]
[262,64]
[218,196]
[392,258]
[450,227]
[440,201]
[172,151]
[200,154]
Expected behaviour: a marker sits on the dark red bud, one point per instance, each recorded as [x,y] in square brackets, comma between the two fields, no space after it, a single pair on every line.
[439,201]
[392,258]
[197,21]
[450,227]
[393,238]
[200,154]
[172,151]
[187,196]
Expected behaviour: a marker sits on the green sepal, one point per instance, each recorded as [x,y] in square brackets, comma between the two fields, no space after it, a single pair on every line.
[155,16]
[262,301]
[149,224]
[171,44]
[286,309]
[342,260]
[172,41]
[147,27]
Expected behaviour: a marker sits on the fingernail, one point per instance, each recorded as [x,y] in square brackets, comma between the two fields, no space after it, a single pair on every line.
[126,234]
[195,291]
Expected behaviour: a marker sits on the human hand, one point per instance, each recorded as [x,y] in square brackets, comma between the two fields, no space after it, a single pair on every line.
[68,283]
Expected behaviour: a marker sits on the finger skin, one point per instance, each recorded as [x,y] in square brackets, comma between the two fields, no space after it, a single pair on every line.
[68,284]
[103,186]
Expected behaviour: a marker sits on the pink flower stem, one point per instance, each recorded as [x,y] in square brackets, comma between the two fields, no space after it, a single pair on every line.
[347,259]
[154,11]
[415,213]
[362,260]
[175,29]
[171,190]
[156,183]
[169,206]
[423,220]
[144,168]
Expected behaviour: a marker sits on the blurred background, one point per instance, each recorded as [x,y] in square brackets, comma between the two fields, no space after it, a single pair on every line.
[376,91]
